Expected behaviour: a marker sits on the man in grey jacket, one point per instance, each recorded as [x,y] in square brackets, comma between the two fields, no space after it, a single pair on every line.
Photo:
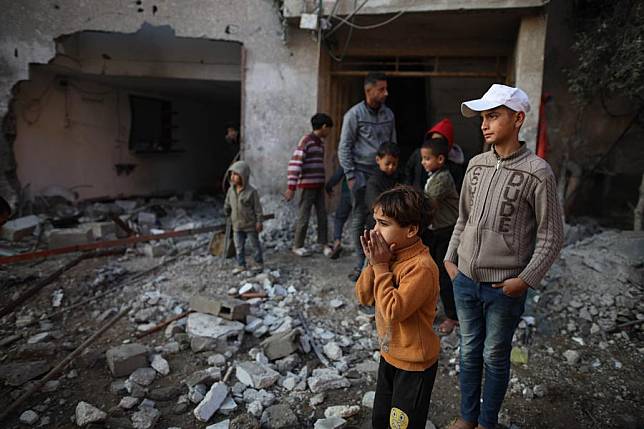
[365,127]
[508,234]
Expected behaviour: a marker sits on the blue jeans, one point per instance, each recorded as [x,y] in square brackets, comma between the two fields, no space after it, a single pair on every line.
[342,213]
[239,238]
[488,319]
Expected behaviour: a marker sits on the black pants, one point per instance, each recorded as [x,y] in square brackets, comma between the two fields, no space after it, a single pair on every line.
[402,397]
[438,241]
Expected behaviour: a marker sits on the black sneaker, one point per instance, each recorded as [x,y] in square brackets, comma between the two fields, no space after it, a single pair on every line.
[335,253]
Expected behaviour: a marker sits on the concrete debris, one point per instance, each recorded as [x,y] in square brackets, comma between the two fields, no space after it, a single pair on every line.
[256,375]
[17,229]
[572,357]
[225,307]
[325,379]
[145,418]
[332,350]
[143,376]
[281,345]
[317,399]
[333,422]
[128,402]
[224,424]
[124,359]
[206,376]
[216,360]
[29,417]
[265,397]
[87,413]
[211,402]
[344,411]
[160,365]
[255,408]
[368,398]
[206,325]
[279,416]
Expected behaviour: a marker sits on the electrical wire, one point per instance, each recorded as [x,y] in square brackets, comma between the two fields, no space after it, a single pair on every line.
[344,20]
[346,43]
[371,26]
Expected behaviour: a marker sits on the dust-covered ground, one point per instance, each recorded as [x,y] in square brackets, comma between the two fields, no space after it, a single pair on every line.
[577,360]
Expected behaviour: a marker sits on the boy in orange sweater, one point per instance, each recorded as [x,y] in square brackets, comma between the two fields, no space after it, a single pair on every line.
[401,280]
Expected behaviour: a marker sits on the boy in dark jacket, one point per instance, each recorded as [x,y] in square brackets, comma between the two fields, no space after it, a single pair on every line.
[245,211]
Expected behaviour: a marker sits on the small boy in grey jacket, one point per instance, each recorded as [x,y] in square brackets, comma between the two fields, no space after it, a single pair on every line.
[243,207]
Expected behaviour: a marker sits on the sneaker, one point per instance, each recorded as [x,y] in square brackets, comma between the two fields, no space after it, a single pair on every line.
[335,252]
[369,310]
[328,251]
[301,251]
[238,270]
[316,248]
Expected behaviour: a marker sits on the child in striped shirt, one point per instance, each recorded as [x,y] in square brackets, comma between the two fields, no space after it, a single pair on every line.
[306,172]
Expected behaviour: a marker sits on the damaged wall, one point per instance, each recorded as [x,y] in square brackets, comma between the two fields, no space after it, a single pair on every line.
[280,79]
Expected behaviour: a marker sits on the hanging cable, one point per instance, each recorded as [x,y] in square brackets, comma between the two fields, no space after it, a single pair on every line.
[372,26]
[344,20]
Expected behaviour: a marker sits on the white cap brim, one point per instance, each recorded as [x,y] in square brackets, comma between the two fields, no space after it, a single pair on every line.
[472,108]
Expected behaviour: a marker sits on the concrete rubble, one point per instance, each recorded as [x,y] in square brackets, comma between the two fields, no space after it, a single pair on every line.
[250,362]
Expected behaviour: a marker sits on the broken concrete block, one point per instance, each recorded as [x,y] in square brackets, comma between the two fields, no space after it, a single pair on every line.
[228,406]
[102,230]
[332,350]
[205,376]
[281,345]
[166,393]
[330,423]
[279,416]
[225,307]
[156,250]
[344,411]
[216,360]
[87,413]
[326,379]
[255,408]
[143,376]
[256,375]
[204,344]
[160,365]
[135,389]
[17,229]
[128,402]
[29,417]
[368,398]
[265,397]
[197,393]
[64,237]
[145,418]
[206,325]
[147,218]
[124,359]
[211,402]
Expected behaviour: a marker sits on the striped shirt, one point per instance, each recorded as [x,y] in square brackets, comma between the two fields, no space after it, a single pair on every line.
[306,167]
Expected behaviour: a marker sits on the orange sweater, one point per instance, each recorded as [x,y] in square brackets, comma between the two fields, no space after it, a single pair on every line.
[405,293]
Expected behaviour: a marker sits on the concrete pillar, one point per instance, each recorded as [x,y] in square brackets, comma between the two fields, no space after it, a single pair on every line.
[528,70]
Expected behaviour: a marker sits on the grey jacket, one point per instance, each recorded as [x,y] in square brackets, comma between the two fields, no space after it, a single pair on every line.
[363,130]
[509,222]
[243,207]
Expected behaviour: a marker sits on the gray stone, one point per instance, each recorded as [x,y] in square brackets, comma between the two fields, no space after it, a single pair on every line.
[145,418]
[69,237]
[430,425]
[205,376]
[216,360]
[330,423]
[29,417]
[279,416]
[367,399]
[225,307]
[281,345]
[572,357]
[540,390]
[211,402]
[256,375]
[206,325]
[43,336]
[17,229]
[204,344]
[290,382]
[288,363]
[326,379]
[344,411]
[143,376]
[135,389]
[128,402]
[50,386]
[87,413]
[160,365]
[117,387]
[332,350]
[255,408]
[264,397]
[228,407]
[124,359]
[17,374]
[197,393]
[166,393]
[317,399]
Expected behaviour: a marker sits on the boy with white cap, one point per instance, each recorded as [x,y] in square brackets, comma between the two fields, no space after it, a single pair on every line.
[508,234]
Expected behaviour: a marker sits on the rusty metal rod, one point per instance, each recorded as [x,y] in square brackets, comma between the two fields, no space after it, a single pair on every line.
[66,361]
[105,244]
[164,324]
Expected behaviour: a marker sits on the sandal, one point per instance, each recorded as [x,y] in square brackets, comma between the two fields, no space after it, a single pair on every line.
[447,326]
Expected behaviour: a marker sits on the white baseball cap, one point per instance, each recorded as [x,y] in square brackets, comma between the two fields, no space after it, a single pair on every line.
[497,95]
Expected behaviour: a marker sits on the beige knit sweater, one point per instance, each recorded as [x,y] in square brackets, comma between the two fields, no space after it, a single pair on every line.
[509,222]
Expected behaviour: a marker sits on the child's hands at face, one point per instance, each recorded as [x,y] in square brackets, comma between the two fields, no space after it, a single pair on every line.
[379,251]
[364,241]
